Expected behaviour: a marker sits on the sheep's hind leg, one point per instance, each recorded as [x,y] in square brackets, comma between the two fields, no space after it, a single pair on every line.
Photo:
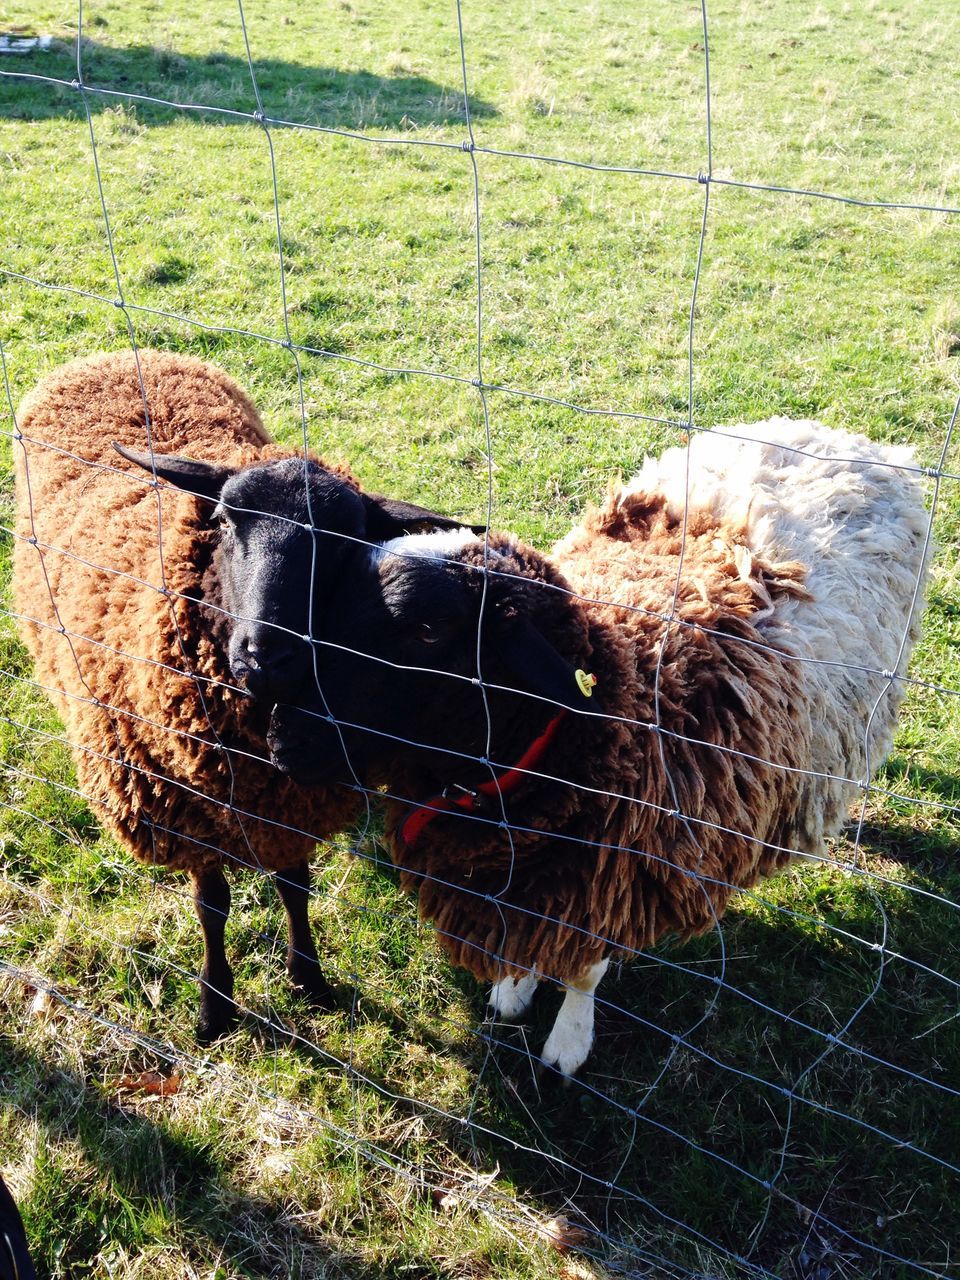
[303,963]
[211,901]
[510,998]
[569,1043]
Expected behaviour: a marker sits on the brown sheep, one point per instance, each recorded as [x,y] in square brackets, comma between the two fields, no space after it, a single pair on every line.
[144,640]
[722,743]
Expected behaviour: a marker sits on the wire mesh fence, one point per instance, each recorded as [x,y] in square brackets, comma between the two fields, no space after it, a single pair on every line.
[777,1096]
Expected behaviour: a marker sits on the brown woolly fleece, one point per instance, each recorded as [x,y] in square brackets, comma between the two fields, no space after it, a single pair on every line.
[559,905]
[118,656]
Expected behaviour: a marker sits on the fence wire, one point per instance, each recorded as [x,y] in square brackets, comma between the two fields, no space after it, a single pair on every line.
[626,1220]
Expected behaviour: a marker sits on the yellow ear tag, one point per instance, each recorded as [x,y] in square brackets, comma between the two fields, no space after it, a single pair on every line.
[585,682]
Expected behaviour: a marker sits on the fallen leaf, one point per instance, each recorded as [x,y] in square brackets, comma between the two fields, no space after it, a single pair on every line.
[151,1083]
[576,1271]
[562,1234]
[446,1200]
[470,1188]
[41,1004]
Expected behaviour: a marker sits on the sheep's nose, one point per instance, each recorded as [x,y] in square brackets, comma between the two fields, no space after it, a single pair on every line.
[269,665]
[267,655]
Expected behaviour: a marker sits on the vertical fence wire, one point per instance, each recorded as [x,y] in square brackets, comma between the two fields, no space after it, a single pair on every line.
[619,1250]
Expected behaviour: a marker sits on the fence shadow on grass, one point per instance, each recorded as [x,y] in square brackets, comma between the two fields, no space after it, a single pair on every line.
[656,1128]
[220,82]
[142,1164]
[695,1126]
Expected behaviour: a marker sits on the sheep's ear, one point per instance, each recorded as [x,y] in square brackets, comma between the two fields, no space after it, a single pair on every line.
[538,666]
[203,478]
[390,518]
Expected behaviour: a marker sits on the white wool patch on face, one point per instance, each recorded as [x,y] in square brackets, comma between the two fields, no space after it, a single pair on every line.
[440,544]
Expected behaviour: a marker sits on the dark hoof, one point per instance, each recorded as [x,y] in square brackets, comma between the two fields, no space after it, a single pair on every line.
[315,990]
[214,1024]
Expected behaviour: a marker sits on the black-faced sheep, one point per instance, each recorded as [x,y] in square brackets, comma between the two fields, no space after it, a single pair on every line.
[144,606]
[710,749]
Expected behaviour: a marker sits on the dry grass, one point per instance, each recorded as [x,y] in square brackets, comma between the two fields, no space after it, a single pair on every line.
[401,1137]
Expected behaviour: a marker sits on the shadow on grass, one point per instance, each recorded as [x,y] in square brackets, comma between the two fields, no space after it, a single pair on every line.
[660,1130]
[150,1173]
[217,83]
[938,784]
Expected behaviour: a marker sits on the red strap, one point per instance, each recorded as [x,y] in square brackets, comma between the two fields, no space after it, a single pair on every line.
[414,823]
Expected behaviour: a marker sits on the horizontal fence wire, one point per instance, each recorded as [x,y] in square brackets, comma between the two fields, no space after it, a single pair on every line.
[636,1233]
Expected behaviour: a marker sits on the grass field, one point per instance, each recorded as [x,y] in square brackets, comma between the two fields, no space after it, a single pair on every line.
[390,1140]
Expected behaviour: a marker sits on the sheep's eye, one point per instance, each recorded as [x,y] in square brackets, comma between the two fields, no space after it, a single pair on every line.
[427,634]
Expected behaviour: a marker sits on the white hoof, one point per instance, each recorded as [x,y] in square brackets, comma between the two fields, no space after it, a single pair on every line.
[569,1043]
[510,999]
[568,1046]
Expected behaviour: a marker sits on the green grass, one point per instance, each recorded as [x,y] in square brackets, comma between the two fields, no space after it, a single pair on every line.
[272,1160]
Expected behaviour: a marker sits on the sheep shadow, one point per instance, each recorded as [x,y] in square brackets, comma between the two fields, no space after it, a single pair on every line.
[676,1116]
[144,1162]
[683,1112]
[216,84]
[679,1115]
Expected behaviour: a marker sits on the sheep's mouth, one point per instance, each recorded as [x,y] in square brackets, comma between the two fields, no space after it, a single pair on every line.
[311,755]
[297,764]
[294,770]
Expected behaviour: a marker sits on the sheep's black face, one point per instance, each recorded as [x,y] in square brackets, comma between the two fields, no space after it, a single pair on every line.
[393,643]
[396,667]
[283,545]
[289,530]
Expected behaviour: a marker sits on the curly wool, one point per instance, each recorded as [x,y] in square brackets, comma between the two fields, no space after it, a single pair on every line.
[780,558]
[138,674]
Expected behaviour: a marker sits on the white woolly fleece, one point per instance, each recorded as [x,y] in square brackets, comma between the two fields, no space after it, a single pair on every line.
[857,521]
[438,544]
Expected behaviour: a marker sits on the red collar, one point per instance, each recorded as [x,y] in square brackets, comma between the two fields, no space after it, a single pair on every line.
[413,825]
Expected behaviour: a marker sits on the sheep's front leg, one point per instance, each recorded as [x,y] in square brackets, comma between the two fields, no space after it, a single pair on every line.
[211,901]
[510,998]
[303,963]
[569,1043]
